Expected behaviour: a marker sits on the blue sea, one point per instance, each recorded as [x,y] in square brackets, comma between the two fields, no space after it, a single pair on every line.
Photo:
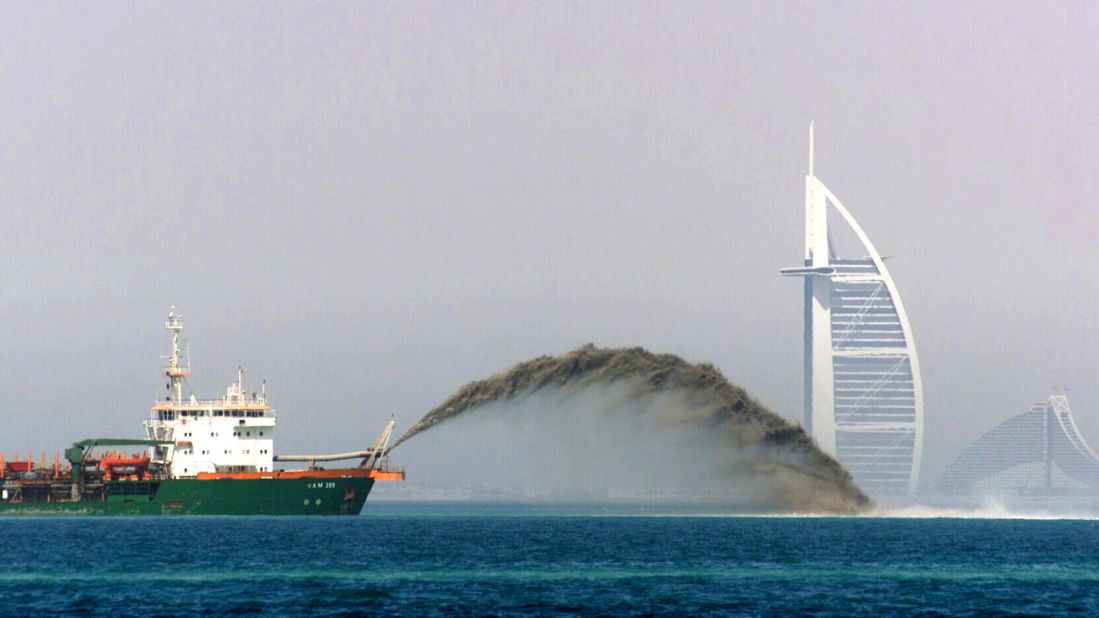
[507,560]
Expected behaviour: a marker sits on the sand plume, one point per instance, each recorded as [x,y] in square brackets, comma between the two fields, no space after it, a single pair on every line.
[751,445]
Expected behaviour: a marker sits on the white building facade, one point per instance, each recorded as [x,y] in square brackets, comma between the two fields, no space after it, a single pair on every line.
[1034,453]
[863,391]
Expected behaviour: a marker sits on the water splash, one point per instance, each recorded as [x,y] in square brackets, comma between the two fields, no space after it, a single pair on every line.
[987,508]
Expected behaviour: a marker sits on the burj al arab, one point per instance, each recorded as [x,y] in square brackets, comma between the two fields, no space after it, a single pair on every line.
[863,392]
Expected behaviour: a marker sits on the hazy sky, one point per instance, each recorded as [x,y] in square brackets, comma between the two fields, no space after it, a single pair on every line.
[371,204]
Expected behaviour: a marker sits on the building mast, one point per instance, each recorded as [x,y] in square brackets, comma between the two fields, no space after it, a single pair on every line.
[810,148]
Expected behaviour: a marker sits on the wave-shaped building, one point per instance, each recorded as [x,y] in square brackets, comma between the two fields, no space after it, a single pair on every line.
[1038,450]
[863,391]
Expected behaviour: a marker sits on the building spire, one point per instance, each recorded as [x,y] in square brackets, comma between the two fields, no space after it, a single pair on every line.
[810,148]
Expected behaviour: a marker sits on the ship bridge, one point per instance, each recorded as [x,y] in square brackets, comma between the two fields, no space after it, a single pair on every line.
[229,434]
[236,403]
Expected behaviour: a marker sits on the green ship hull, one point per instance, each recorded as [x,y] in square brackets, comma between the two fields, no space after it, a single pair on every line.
[271,496]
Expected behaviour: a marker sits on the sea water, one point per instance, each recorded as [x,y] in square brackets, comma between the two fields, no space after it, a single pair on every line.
[424,560]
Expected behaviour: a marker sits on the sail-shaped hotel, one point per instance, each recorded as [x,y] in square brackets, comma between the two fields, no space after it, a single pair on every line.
[863,393]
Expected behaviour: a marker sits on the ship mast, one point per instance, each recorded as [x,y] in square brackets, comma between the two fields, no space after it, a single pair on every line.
[176,370]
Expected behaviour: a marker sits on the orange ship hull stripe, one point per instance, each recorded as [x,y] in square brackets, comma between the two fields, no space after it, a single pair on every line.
[385,475]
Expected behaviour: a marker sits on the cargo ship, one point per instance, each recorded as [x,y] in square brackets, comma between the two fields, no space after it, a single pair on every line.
[198,457]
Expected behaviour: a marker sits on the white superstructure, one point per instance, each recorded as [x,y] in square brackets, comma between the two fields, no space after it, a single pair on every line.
[234,433]
[863,390]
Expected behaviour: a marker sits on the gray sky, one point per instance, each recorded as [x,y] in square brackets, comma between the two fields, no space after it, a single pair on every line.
[370,204]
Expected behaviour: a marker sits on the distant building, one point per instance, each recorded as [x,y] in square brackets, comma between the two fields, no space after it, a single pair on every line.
[863,391]
[1038,450]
